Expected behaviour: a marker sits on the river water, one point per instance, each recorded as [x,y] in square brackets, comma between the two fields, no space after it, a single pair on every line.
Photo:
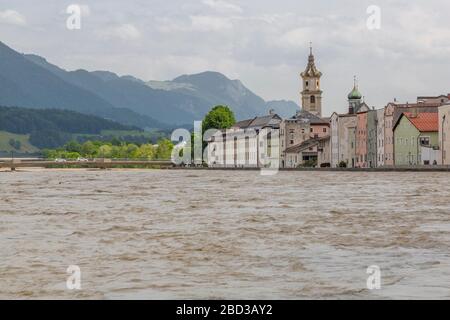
[176,234]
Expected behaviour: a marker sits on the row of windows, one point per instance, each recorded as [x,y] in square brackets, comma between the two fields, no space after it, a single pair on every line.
[424,141]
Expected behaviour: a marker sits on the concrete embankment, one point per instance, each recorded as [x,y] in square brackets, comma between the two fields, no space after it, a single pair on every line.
[381,169]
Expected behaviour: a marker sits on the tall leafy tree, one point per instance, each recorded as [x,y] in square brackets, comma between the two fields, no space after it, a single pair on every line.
[220,117]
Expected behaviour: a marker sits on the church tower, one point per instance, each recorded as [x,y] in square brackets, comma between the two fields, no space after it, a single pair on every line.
[354,98]
[311,94]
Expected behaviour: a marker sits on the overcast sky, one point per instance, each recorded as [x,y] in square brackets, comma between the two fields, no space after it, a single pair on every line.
[263,43]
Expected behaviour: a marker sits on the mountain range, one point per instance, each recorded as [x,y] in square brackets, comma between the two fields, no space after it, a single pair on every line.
[28,80]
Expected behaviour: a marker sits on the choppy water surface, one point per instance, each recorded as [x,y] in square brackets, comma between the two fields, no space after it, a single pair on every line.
[224,234]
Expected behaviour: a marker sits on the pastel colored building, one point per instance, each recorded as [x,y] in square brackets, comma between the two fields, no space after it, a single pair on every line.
[441,99]
[361,150]
[310,152]
[389,134]
[380,137]
[342,140]
[323,152]
[444,134]
[343,131]
[416,138]
[372,138]
[393,111]
[295,134]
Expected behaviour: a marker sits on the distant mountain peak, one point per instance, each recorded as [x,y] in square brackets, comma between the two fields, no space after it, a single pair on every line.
[105,75]
[31,81]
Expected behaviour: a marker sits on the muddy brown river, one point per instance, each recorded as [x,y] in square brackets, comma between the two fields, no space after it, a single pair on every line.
[180,234]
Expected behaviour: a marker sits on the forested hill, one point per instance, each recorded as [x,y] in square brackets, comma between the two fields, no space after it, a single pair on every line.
[50,128]
[24,121]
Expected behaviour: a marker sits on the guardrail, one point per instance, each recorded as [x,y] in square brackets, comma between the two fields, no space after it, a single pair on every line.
[102,164]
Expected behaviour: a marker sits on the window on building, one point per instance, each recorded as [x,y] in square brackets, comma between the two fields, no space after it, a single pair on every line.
[311,130]
[424,141]
[292,141]
[313,99]
[324,130]
[307,84]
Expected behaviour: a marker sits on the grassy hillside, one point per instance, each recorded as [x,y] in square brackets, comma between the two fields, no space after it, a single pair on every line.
[24,145]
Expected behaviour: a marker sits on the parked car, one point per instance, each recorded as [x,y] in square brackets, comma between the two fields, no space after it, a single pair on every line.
[82,160]
[60,160]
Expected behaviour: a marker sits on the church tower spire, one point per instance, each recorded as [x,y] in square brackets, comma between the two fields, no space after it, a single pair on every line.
[354,98]
[311,93]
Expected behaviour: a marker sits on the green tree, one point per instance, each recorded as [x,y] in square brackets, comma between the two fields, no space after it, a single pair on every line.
[88,149]
[70,155]
[146,151]
[164,150]
[73,146]
[105,151]
[220,117]
[132,151]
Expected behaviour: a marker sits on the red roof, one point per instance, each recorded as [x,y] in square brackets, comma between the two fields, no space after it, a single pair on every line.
[424,121]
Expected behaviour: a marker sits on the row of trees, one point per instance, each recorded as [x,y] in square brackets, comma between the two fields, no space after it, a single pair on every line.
[100,149]
[220,117]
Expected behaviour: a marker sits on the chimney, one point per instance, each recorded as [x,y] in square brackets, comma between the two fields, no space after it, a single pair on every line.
[271,112]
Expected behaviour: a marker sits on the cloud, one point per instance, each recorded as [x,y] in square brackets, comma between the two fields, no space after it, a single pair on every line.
[125,31]
[12,17]
[223,6]
[296,38]
[210,23]
[255,38]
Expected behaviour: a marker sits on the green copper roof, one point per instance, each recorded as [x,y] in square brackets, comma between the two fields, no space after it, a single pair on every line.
[355,94]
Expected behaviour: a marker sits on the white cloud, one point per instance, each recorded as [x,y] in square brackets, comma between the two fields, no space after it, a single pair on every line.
[12,17]
[124,32]
[223,6]
[296,38]
[252,38]
[210,23]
